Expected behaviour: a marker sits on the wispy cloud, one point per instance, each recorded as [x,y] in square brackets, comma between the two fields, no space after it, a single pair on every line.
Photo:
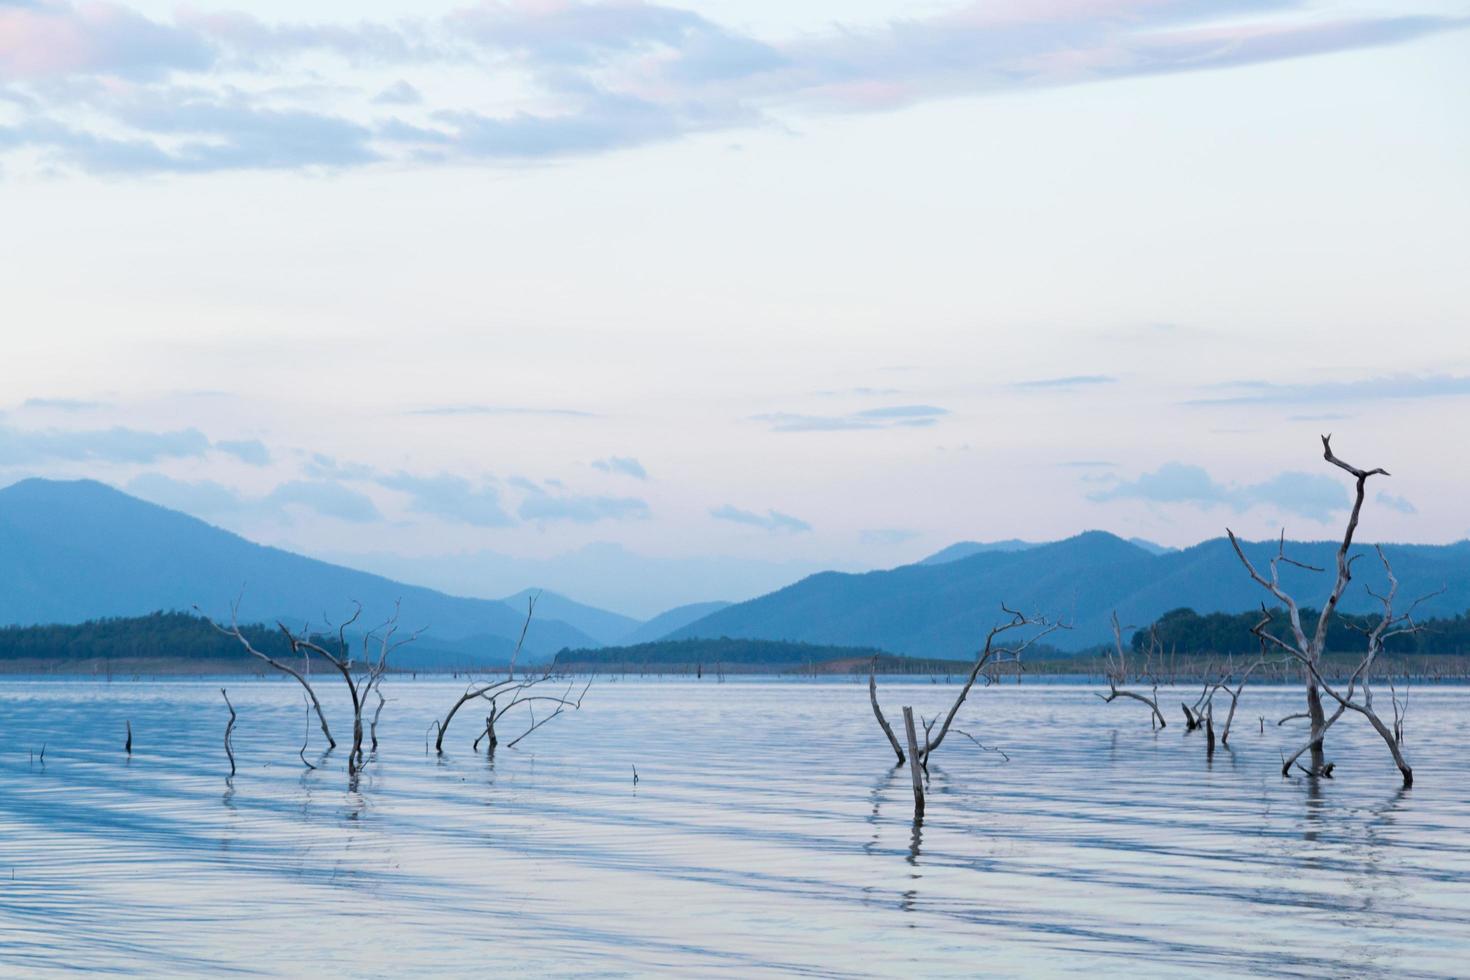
[626,465]
[102,87]
[322,466]
[1393,502]
[327,498]
[1391,387]
[451,498]
[909,416]
[63,404]
[209,499]
[579,509]
[251,451]
[20,447]
[1309,495]
[1070,381]
[501,410]
[772,520]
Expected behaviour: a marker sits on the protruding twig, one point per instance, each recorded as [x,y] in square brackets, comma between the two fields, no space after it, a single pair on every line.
[230,727]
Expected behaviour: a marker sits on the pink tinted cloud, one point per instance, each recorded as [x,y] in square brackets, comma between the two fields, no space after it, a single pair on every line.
[50,39]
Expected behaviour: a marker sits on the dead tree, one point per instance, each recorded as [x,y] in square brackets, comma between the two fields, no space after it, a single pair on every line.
[509,692]
[1117,671]
[234,630]
[361,676]
[993,654]
[1307,649]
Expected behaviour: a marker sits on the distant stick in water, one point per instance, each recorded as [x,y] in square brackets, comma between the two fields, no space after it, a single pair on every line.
[229,727]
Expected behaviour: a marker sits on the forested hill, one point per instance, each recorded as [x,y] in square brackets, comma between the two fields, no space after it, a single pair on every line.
[725,655]
[160,637]
[1185,631]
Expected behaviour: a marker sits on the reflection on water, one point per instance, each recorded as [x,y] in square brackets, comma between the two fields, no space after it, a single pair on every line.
[767,832]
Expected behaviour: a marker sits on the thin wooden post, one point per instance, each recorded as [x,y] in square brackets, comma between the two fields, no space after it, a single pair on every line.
[908,727]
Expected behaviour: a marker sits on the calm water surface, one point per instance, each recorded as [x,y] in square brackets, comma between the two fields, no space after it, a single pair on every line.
[768,834]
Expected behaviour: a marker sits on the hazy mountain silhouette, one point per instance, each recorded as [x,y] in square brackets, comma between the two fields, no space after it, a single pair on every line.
[667,622]
[77,550]
[964,549]
[600,624]
[943,610]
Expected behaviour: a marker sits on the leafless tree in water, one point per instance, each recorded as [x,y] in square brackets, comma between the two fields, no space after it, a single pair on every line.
[992,655]
[1117,671]
[361,676]
[307,691]
[504,694]
[1307,649]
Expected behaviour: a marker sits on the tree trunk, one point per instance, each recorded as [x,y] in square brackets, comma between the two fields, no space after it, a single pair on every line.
[908,726]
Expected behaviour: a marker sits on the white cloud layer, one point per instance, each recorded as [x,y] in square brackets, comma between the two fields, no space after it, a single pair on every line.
[100,87]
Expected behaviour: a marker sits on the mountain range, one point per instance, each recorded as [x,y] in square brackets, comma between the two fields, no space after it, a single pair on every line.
[945,609]
[77,550]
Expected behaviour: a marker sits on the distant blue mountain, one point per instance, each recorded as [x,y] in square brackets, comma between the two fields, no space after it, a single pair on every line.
[667,622]
[943,610]
[964,549]
[73,551]
[600,624]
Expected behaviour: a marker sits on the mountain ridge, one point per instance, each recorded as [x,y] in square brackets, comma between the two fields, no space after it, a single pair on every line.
[76,550]
[943,610]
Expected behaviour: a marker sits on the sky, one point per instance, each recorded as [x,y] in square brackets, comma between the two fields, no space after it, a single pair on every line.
[657,303]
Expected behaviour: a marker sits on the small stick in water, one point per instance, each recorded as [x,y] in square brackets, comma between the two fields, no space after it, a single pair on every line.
[128,745]
[229,727]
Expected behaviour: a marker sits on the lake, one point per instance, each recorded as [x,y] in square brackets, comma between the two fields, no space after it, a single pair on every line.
[767,834]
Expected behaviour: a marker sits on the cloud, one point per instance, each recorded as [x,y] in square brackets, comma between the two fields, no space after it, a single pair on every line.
[19,447]
[327,467]
[326,498]
[626,465]
[1070,381]
[500,410]
[859,392]
[206,498]
[451,498]
[1309,495]
[399,93]
[772,520]
[1393,502]
[202,498]
[1088,464]
[902,412]
[1391,387]
[542,506]
[100,87]
[251,451]
[909,416]
[62,404]
[46,39]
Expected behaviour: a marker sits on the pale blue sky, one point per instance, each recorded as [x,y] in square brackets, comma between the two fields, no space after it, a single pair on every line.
[834,284]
